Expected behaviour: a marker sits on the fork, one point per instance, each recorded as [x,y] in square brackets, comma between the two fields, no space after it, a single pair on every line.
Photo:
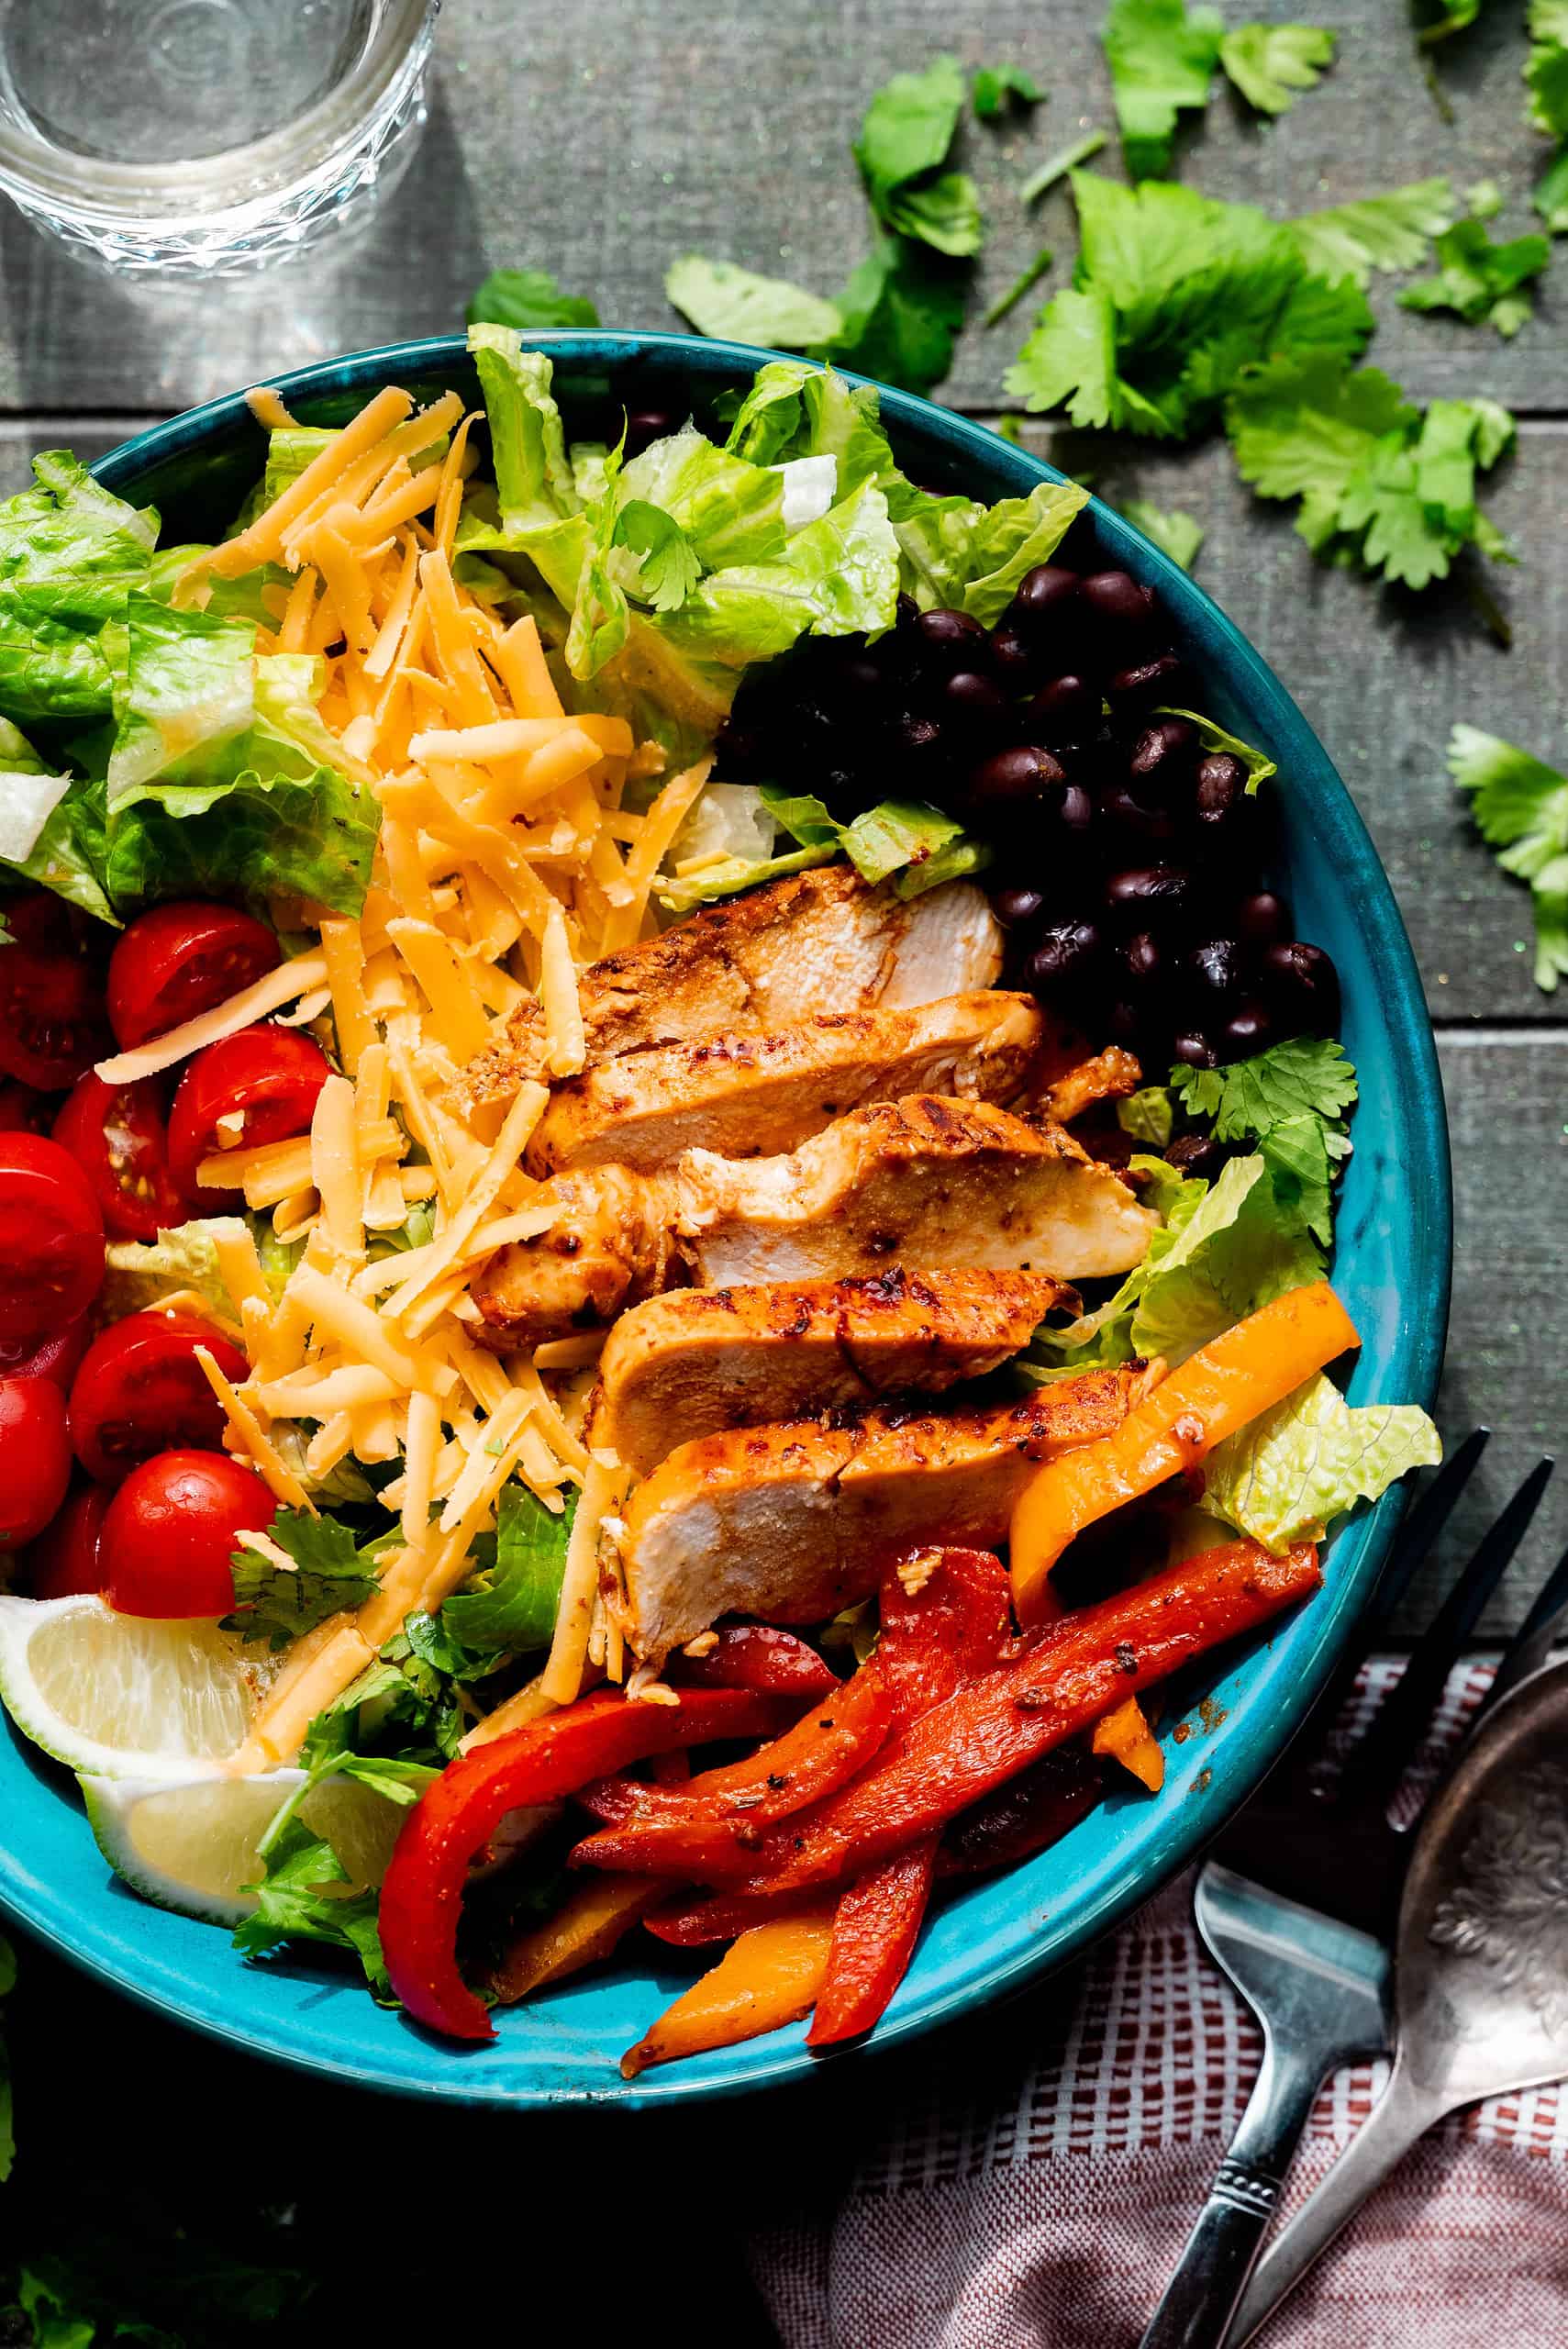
[1297,1901]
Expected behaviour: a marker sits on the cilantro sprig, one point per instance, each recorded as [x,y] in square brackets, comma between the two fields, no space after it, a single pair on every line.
[330,1572]
[1520,806]
[1482,282]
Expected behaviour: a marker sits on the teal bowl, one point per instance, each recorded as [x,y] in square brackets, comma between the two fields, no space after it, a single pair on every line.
[1392,1269]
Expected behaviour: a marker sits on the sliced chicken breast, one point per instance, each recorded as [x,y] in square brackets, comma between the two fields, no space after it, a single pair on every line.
[926,1182]
[823,941]
[1109,1075]
[700,1360]
[753,1097]
[790,1523]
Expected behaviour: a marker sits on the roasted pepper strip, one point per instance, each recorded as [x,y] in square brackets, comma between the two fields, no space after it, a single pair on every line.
[1126,1736]
[756,1655]
[875,1926]
[688,1921]
[1027,1815]
[946,1616]
[769,1978]
[598,1915]
[1221,1387]
[988,1731]
[458,1811]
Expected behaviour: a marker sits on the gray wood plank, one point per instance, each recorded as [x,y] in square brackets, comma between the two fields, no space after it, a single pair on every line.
[613,137]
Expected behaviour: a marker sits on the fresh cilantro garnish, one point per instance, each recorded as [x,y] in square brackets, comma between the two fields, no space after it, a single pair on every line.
[1025,281]
[1384,232]
[1546,75]
[668,569]
[1161,60]
[1481,280]
[1381,482]
[512,1602]
[1056,167]
[1308,1077]
[902,148]
[1146,1116]
[297,1900]
[1456,16]
[902,309]
[1269,63]
[1176,534]
[330,1573]
[1521,806]
[1484,200]
[721,299]
[996,85]
[529,298]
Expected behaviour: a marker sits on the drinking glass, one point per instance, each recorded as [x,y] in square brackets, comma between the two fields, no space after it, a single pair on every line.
[204,138]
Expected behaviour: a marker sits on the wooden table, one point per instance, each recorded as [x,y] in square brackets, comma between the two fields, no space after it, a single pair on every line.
[601,141]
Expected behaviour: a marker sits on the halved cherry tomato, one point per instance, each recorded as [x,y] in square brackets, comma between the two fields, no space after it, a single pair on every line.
[52,1024]
[52,1237]
[46,922]
[264,1079]
[182,959]
[23,1111]
[140,1390]
[57,1356]
[172,1528]
[35,1457]
[64,1558]
[117,1135]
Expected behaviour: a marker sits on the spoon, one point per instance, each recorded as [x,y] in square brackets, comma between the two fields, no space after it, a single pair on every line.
[1481,1977]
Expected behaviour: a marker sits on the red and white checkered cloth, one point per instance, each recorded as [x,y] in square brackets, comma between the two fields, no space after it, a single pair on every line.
[991,2212]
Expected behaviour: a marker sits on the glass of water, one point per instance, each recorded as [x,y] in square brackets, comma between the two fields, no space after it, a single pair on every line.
[202,137]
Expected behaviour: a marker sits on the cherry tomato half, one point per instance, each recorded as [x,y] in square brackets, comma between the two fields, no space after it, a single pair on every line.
[117,1135]
[172,1528]
[23,1111]
[52,1024]
[35,1457]
[266,1077]
[64,1558]
[140,1390]
[51,1237]
[57,1356]
[180,960]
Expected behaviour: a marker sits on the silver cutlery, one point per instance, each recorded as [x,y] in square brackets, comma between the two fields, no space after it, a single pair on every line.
[1298,1901]
[1482,1974]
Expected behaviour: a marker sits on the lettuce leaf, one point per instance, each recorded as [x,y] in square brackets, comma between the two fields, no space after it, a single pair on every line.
[140,1274]
[71,555]
[721,299]
[794,411]
[971,557]
[730,509]
[511,1602]
[1284,1478]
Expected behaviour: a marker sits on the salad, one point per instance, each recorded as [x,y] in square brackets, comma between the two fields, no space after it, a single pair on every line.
[666,1187]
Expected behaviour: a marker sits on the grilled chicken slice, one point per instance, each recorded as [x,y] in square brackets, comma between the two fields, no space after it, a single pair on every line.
[754,1097]
[823,941]
[790,1523]
[1109,1075]
[924,1182]
[700,1360]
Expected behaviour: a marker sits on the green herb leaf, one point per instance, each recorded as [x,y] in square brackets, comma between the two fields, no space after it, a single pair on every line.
[908,127]
[1387,232]
[331,1573]
[1456,18]
[1161,60]
[1480,280]
[1484,200]
[902,308]
[722,299]
[1258,763]
[1147,1115]
[667,568]
[513,1604]
[1520,806]
[1306,1076]
[994,85]
[1285,1478]
[528,299]
[1056,167]
[1174,533]
[1546,66]
[1269,63]
[295,1901]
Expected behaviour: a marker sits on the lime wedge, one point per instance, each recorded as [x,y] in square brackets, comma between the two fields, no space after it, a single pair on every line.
[190,1844]
[117,1695]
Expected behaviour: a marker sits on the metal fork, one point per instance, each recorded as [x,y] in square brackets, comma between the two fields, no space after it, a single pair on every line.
[1299,1900]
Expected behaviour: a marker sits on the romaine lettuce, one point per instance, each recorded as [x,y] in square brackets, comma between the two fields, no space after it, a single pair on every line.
[1284,1477]
[70,554]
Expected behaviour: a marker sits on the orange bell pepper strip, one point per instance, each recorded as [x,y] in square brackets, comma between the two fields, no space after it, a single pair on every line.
[587,1926]
[1126,1736]
[756,1655]
[988,1731]
[458,1812]
[1220,1389]
[769,1978]
[875,1927]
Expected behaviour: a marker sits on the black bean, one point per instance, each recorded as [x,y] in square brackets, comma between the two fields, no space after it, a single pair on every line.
[1050,593]
[1015,658]
[1162,755]
[1073,812]
[1151,895]
[1008,778]
[644,426]
[1195,1154]
[967,694]
[951,639]
[1126,1023]
[1262,918]
[1193,1050]
[741,753]
[1247,1031]
[1066,953]
[1117,598]
[1215,969]
[1143,959]
[1303,984]
[1064,710]
[1221,782]
[1015,908]
[1160,679]
[861,676]
[1124,813]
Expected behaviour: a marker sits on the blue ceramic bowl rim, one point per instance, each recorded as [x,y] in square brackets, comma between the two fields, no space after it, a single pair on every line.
[1317,1637]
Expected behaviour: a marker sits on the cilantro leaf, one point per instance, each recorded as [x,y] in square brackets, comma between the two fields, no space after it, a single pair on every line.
[1268,63]
[512,1603]
[908,129]
[902,307]
[1305,1077]
[1161,61]
[1174,533]
[722,299]
[1481,280]
[1384,232]
[1146,1115]
[943,213]
[1546,67]
[1258,763]
[1551,197]
[1457,16]
[295,1902]
[1520,806]
[529,298]
[668,569]
[279,1606]
[1484,200]
[994,85]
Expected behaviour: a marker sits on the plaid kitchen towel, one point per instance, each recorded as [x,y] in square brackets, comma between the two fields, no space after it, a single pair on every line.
[1045,2212]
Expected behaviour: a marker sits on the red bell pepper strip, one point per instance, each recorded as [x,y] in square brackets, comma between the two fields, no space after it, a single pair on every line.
[952,1626]
[689,1923]
[874,1930]
[988,1731]
[1027,1815]
[458,1813]
[756,1655]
